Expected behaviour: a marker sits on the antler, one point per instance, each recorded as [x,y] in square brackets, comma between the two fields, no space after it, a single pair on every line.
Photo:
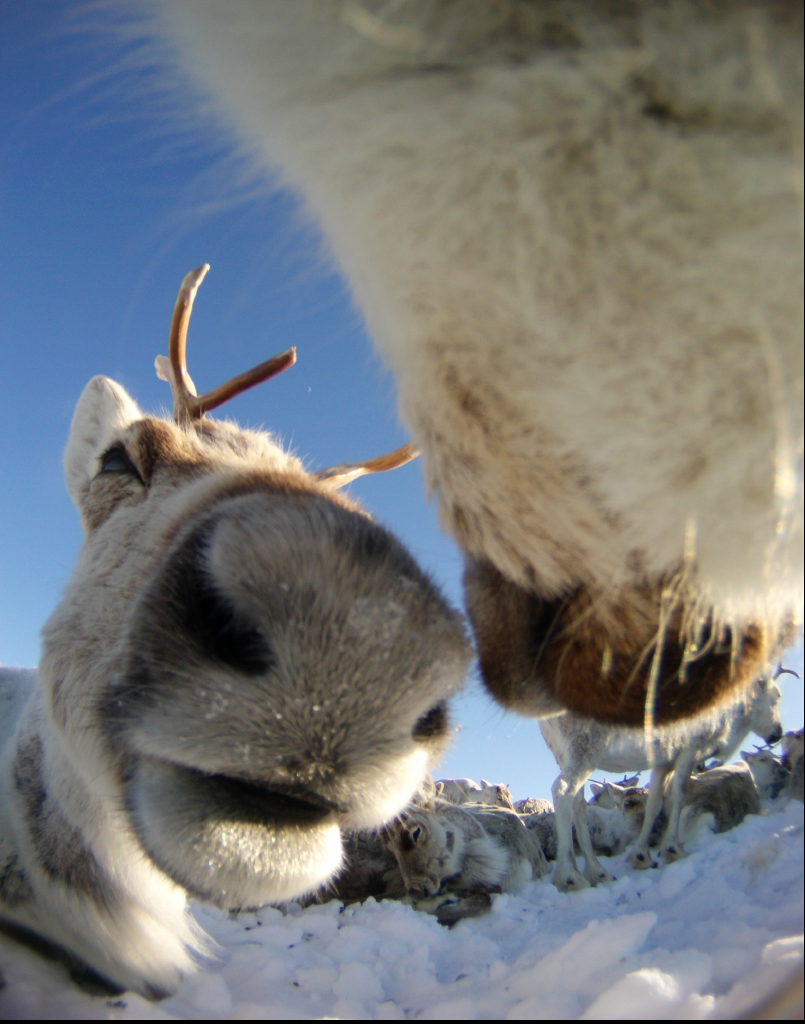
[346,471]
[187,404]
[785,671]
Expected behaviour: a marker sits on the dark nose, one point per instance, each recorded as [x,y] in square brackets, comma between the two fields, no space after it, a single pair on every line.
[775,736]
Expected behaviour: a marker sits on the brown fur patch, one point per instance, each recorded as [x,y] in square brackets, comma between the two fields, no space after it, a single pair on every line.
[594,658]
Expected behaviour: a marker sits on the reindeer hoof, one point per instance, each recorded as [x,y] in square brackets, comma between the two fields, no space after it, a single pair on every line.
[569,881]
[641,860]
[672,853]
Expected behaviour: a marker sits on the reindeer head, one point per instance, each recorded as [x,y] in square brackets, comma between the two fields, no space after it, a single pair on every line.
[497,794]
[768,771]
[425,850]
[764,710]
[243,663]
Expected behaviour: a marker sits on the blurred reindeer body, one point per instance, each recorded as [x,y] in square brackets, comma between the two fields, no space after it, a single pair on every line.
[441,845]
[719,798]
[466,791]
[242,666]
[575,232]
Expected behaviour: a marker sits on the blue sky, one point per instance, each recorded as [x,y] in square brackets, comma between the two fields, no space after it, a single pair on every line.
[104,206]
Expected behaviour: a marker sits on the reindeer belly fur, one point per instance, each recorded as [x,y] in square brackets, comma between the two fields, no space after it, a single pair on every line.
[533,230]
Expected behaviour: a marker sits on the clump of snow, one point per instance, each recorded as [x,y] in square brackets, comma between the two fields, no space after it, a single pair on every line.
[705,937]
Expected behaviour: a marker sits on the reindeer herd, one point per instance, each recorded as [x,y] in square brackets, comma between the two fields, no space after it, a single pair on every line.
[458,843]
[575,235]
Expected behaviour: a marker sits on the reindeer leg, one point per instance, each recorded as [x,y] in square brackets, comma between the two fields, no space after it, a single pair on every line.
[640,857]
[566,876]
[594,871]
[671,848]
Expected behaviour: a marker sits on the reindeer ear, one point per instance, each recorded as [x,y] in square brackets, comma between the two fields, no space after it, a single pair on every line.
[485,784]
[615,792]
[596,788]
[103,409]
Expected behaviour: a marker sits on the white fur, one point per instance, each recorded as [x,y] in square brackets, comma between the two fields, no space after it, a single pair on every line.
[577,240]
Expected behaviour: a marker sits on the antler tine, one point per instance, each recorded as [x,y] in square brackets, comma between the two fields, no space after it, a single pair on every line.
[344,472]
[263,371]
[187,405]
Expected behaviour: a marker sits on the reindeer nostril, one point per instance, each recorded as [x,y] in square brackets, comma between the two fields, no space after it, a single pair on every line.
[237,644]
[432,724]
[217,626]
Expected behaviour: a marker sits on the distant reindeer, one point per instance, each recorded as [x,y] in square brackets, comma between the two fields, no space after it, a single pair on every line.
[533,805]
[769,772]
[242,666]
[574,229]
[580,746]
[465,791]
[611,829]
[631,800]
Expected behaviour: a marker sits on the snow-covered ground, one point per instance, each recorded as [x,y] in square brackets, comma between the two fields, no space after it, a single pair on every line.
[705,937]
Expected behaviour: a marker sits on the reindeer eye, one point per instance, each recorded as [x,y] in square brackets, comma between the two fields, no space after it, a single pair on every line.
[116,460]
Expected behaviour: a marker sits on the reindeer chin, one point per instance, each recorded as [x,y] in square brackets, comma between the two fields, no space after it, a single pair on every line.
[229,842]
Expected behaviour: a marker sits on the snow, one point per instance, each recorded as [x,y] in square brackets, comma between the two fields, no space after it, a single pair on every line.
[705,937]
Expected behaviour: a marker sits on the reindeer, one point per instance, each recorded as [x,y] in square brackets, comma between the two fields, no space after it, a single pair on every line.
[441,846]
[719,798]
[533,805]
[574,231]
[630,799]
[242,666]
[465,791]
[793,757]
[768,771]
[611,829]
[580,746]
